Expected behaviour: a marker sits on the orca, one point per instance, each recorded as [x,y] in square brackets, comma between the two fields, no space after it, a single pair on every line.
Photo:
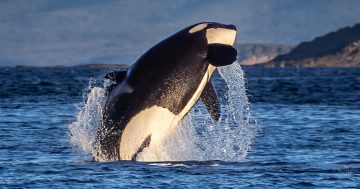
[149,98]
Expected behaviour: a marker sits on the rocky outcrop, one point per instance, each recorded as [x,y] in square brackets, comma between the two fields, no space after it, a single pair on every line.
[251,54]
[336,49]
[252,60]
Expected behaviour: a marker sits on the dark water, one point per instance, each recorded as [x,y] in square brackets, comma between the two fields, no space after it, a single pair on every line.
[309,122]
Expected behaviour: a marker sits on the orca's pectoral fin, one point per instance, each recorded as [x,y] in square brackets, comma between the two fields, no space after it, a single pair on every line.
[221,55]
[117,76]
[211,101]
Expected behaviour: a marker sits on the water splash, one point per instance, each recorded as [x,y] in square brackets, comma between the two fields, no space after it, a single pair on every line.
[239,125]
[196,137]
[83,130]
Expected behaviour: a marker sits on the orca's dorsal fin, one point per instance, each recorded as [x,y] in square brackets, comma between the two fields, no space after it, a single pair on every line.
[211,101]
[117,76]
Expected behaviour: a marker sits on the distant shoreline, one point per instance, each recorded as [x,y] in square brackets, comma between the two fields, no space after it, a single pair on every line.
[96,65]
[260,66]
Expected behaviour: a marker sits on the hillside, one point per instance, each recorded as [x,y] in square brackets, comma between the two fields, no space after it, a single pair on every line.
[250,54]
[336,49]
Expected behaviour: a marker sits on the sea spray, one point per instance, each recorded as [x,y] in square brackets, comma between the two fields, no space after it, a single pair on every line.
[238,120]
[83,130]
[197,136]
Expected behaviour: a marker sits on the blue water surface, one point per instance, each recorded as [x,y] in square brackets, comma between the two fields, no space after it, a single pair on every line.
[308,119]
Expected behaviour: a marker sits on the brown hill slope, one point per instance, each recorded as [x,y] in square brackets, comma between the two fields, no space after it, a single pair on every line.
[250,54]
[336,49]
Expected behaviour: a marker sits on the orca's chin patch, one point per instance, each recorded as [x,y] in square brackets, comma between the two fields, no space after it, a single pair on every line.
[220,36]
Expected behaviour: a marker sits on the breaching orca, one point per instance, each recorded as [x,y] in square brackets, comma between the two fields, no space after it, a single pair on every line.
[156,92]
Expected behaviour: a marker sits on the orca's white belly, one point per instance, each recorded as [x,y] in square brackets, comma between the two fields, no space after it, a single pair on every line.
[154,122]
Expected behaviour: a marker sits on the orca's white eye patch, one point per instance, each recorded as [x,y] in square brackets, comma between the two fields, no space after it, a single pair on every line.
[221,36]
[197,28]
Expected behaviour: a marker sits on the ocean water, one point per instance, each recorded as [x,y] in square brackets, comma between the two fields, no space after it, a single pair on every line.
[301,130]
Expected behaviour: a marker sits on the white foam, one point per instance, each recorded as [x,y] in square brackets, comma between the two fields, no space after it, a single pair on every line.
[83,130]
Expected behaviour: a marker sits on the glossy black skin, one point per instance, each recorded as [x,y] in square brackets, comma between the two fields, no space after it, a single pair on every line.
[167,76]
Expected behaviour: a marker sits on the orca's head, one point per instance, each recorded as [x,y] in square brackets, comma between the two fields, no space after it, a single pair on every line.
[220,39]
